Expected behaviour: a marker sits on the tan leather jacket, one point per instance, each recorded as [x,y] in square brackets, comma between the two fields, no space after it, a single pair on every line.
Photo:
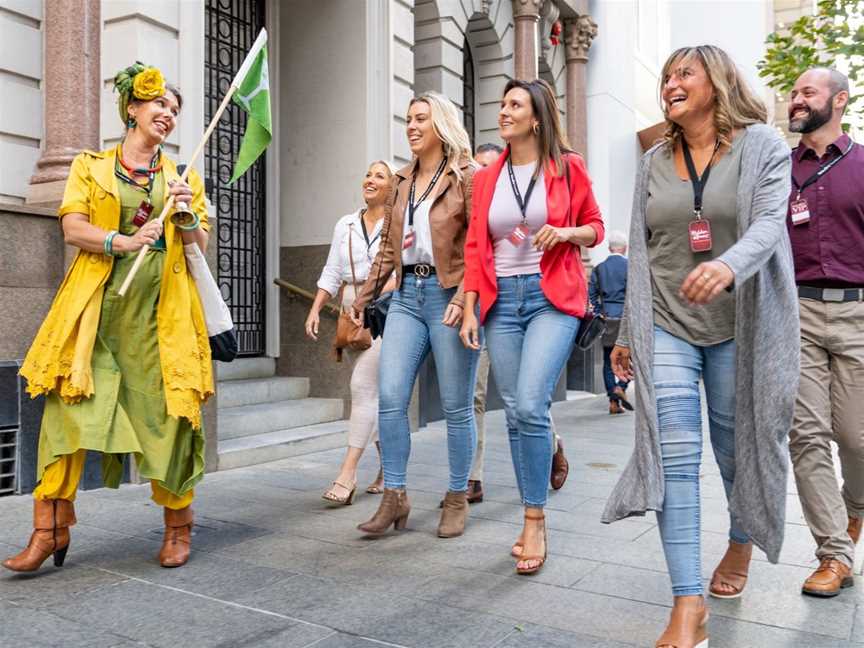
[448,217]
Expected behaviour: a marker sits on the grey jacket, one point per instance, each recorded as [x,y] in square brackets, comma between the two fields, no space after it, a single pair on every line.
[767,341]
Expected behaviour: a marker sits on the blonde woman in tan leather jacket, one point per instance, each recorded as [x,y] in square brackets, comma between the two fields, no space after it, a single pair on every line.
[425,222]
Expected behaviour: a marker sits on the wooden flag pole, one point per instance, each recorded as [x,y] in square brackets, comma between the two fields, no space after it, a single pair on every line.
[169,203]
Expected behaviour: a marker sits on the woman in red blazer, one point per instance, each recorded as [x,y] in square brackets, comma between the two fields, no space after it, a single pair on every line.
[531,211]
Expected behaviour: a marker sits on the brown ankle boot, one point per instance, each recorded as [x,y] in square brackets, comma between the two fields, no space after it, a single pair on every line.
[454,514]
[51,522]
[177,542]
[394,509]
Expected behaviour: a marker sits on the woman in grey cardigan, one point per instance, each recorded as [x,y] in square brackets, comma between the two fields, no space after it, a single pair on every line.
[711,295]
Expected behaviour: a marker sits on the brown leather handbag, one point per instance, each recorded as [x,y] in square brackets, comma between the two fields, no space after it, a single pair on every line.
[348,334]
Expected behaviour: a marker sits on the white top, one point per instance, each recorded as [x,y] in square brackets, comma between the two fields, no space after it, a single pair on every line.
[337,268]
[504,216]
[421,251]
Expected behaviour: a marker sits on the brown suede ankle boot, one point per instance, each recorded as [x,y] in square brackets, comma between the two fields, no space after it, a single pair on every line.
[454,514]
[177,542]
[51,522]
[394,509]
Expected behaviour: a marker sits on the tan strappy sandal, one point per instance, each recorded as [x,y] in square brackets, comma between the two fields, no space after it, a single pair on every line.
[678,634]
[732,571]
[330,496]
[541,560]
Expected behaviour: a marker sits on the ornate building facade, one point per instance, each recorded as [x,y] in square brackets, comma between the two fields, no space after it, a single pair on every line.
[342,73]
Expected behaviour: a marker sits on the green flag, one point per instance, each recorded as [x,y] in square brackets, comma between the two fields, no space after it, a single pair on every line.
[253,95]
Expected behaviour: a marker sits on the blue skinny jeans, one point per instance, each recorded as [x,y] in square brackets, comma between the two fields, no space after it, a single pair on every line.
[678,366]
[414,329]
[529,340]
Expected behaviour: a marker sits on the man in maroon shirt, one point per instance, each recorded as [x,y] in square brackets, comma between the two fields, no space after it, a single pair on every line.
[826,228]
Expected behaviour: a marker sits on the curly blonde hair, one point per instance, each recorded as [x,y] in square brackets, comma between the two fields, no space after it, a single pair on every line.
[735,103]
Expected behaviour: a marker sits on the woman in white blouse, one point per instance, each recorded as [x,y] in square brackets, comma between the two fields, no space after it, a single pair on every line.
[363,230]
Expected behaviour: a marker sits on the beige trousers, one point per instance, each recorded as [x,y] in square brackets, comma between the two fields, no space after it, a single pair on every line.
[363,422]
[480,414]
[830,407]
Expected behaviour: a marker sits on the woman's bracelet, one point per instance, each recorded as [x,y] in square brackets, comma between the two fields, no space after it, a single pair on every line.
[191,226]
[108,243]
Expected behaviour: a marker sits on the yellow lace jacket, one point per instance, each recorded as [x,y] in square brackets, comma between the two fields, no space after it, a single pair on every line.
[59,359]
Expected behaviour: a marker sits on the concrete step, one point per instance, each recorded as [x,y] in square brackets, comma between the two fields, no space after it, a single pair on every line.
[247,420]
[243,368]
[250,391]
[273,446]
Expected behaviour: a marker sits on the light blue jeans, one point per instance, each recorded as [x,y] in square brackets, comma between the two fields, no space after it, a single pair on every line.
[529,340]
[413,329]
[678,366]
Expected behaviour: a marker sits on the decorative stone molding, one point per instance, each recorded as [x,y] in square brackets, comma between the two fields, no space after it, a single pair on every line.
[549,13]
[527,9]
[578,35]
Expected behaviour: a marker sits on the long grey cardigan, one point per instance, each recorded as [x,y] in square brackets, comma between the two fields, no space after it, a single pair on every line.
[767,341]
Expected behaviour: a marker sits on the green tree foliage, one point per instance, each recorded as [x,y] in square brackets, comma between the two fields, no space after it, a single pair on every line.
[835,31]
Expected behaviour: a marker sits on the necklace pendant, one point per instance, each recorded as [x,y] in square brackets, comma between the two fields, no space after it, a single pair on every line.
[142,214]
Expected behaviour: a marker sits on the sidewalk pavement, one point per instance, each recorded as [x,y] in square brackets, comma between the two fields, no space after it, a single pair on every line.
[272,565]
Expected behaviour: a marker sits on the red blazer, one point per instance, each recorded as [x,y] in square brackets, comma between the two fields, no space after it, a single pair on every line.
[563,280]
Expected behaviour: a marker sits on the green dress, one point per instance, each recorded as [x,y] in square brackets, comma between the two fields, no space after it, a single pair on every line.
[127,412]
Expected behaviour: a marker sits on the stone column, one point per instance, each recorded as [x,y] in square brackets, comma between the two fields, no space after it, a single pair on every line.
[526,15]
[578,34]
[72,32]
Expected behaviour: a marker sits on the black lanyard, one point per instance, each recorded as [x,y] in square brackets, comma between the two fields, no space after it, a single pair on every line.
[698,183]
[366,234]
[825,168]
[523,204]
[412,206]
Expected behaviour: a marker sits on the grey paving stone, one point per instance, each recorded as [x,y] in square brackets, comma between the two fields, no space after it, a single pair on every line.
[28,628]
[534,636]
[50,586]
[161,616]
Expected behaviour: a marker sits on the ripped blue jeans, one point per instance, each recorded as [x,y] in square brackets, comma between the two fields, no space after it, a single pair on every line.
[678,366]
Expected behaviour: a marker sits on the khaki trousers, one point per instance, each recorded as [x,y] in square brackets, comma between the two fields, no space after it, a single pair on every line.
[830,407]
[480,388]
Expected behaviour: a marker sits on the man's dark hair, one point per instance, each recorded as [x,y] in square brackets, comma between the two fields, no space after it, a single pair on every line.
[485,148]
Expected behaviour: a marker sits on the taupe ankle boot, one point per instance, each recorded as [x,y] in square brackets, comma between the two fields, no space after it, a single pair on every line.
[394,509]
[51,522]
[454,514]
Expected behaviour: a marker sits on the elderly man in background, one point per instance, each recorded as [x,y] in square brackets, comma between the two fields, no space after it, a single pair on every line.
[606,291]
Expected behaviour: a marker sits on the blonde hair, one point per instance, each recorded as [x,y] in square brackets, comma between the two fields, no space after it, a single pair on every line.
[391,169]
[449,129]
[735,103]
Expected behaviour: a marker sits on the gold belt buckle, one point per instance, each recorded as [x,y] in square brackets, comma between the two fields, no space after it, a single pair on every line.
[422,270]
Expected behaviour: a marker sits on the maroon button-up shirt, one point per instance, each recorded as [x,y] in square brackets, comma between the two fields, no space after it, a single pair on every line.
[829,250]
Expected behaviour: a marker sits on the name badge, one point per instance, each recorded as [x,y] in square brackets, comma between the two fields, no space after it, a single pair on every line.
[518,235]
[800,212]
[142,214]
[700,235]
[408,241]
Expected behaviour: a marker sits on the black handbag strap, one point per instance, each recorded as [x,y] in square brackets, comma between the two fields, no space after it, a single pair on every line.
[385,239]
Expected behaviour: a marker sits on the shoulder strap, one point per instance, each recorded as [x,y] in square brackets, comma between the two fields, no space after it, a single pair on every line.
[350,251]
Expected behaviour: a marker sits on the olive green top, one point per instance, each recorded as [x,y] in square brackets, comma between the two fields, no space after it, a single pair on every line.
[669,213]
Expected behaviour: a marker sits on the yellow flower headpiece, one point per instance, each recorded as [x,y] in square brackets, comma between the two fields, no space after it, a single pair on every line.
[137,81]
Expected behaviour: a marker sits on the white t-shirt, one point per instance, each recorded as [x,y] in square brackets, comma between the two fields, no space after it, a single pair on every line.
[421,251]
[504,216]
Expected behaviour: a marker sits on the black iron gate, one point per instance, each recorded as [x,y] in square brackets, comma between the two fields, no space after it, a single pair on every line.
[231,28]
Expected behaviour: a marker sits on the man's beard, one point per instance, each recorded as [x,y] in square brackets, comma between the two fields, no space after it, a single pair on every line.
[815,119]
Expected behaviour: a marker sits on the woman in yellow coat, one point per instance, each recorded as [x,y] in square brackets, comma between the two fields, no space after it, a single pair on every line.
[126,374]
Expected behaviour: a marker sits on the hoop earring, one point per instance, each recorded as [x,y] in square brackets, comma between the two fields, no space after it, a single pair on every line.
[535,128]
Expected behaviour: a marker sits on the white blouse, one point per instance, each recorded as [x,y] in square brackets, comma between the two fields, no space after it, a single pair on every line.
[421,251]
[337,268]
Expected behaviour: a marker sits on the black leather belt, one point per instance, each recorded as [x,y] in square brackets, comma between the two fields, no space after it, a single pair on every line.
[831,294]
[418,269]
